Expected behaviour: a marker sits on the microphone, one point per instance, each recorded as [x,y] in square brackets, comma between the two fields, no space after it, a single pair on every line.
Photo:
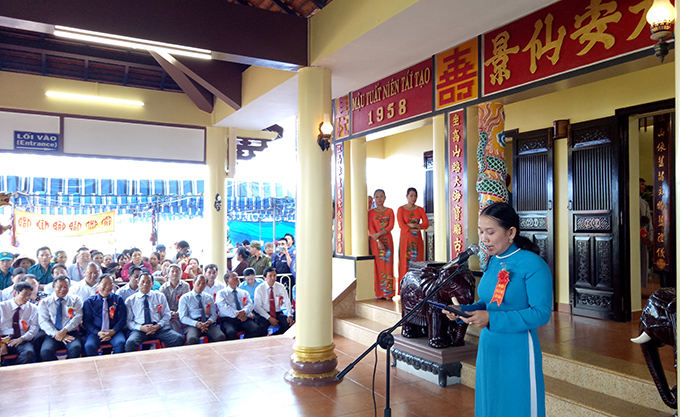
[462,257]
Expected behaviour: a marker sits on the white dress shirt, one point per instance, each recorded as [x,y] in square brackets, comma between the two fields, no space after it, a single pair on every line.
[28,315]
[7,293]
[83,290]
[47,311]
[190,314]
[225,302]
[125,291]
[75,273]
[280,299]
[158,307]
[212,291]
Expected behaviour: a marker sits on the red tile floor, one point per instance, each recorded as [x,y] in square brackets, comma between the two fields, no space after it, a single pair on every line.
[245,378]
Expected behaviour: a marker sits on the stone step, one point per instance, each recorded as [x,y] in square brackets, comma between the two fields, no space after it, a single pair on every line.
[360,329]
[384,312]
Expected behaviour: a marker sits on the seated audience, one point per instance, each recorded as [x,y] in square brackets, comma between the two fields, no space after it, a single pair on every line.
[6,270]
[270,297]
[88,286]
[173,290]
[160,249]
[212,286]
[43,269]
[258,260]
[104,318]
[60,257]
[36,295]
[182,248]
[269,249]
[98,257]
[76,272]
[191,271]
[236,307]
[148,317]
[108,260]
[60,314]
[155,262]
[251,282]
[198,314]
[23,261]
[133,285]
[19,323]
[136,259]
[17,275]
[57,270]
[242,256]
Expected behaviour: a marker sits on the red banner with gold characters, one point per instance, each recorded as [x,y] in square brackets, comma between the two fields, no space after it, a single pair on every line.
[65,226]
[342,117]
[457,181]
[663,191]
[406,94]
[457,75]
[564,36]
[339,198]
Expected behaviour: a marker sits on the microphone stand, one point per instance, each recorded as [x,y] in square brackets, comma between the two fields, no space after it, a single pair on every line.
[385,340]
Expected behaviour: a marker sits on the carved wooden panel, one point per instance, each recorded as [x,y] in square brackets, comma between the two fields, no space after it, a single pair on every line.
[582,259]
[592,223]
[533,145]
[543,243]
[603,254]
[533,223]
[599,301]
[592,137]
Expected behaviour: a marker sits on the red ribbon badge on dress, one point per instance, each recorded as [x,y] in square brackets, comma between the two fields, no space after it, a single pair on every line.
[112,311]
[70,312]
[207,308]
[160,309]
[178,296]
[280,301]
[245,301]
[214,296]
[24,325]
[499,292]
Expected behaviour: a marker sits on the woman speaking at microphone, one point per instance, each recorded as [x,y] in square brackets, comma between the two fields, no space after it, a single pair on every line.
[515,298]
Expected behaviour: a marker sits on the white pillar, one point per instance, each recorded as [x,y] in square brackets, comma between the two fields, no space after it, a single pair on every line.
[359,199]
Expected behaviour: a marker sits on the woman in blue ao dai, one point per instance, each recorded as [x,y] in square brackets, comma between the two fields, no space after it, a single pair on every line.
[515,299]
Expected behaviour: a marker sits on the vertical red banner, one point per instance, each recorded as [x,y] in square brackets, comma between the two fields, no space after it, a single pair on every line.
[663,174]
[457,181]
[342,117]
[340,198]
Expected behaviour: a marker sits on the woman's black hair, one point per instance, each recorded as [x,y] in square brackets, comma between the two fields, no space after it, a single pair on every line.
[382,191]
[411,189]
[507,217]
[243,252]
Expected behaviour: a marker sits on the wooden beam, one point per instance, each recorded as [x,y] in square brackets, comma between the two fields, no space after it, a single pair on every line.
[199,95]
[283,6]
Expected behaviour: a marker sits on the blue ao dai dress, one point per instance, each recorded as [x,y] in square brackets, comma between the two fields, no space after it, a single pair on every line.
[509,374]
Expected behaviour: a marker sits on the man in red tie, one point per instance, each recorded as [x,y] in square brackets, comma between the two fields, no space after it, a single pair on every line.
[271,298]
[19,324]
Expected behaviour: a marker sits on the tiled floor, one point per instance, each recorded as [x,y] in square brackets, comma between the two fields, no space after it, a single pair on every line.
[245,378]
[240,378]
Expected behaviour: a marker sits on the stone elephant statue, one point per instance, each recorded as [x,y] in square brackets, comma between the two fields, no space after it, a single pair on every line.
[657,328]
[418,282]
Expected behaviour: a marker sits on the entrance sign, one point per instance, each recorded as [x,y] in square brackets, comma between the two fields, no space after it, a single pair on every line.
[36,141]
[64,226]
[562,37]
[403,95]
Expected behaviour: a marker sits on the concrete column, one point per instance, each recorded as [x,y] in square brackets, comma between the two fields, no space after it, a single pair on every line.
[359,199]
[313,361]
[439,188]
[216,223]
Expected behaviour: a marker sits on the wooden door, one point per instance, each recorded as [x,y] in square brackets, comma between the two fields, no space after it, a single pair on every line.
[594,216]
[532,185]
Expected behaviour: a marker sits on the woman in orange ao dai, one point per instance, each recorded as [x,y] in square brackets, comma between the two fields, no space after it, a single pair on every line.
[412,219]
[380,225]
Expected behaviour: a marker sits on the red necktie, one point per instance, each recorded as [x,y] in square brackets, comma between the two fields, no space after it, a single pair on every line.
[272,304]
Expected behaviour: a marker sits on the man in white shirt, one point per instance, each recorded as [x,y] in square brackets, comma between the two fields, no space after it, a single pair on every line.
[235,307]
[133,285]
[212,286]
[270,297]
[173,290]
[17,276]
[19,323]
[197,313]
[60,314]
[57,270]
[88,286]
[76,272]
[148,316]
